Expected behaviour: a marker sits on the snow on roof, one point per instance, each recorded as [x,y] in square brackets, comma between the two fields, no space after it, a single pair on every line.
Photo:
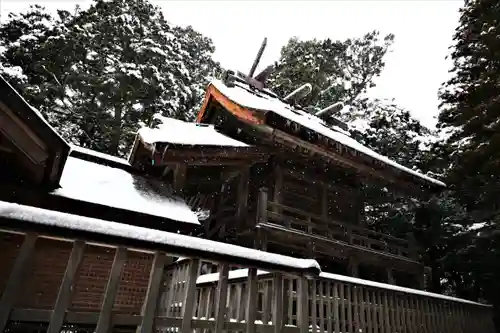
[91,182]
[156,239]
[242,273]
[262,102]
[180,132]
[98,155]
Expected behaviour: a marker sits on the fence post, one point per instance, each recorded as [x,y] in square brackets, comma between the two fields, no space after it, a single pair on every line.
[104,321]
[16,279]
[278,302]
[251,310]
[189,296]
[151,300]
[303,305]
[66,288]
[221,298]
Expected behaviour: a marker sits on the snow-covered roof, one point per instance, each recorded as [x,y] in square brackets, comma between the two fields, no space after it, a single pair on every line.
[257,101]
[79,151]
[179,132]
[145,238]
[104,185]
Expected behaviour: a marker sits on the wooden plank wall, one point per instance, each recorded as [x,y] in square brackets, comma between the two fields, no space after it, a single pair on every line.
[329,204]
[314,193]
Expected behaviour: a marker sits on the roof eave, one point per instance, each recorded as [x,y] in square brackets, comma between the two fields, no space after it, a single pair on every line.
[57,148]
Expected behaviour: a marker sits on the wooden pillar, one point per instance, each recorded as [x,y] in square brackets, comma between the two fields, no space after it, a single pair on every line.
[420,281]
[353,267]
[243,185]
[278,183]
[310,249]
[412,246]
[179,177]
[390,276]
[262,206]
[260,240]
[427,277]
[278,186]
[361,199]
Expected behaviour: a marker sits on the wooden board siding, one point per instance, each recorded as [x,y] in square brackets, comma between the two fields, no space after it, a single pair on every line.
[47,267]
[10,245]
[44,274]
[317,193]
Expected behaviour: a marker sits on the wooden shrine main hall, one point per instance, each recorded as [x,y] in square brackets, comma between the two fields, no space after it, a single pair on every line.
[250,219]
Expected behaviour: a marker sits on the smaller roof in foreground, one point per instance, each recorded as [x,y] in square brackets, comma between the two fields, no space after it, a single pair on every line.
[108,186]
[178,132]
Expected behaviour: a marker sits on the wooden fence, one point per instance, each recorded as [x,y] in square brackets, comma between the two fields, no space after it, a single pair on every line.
[351,234]
[273,293]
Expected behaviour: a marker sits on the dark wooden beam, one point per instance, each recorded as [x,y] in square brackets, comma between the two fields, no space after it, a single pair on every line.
[243,188]
[215,161]
[247,153]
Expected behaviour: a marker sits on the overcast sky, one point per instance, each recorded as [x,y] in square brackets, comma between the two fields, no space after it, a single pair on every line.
[414,70]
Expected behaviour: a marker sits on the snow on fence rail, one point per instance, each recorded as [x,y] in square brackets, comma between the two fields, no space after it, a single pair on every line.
[27,218]
[337,303]
[145,290]
[242,273]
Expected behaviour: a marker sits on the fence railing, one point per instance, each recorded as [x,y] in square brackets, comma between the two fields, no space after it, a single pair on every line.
[339,303]
[311,224]
[273,293]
